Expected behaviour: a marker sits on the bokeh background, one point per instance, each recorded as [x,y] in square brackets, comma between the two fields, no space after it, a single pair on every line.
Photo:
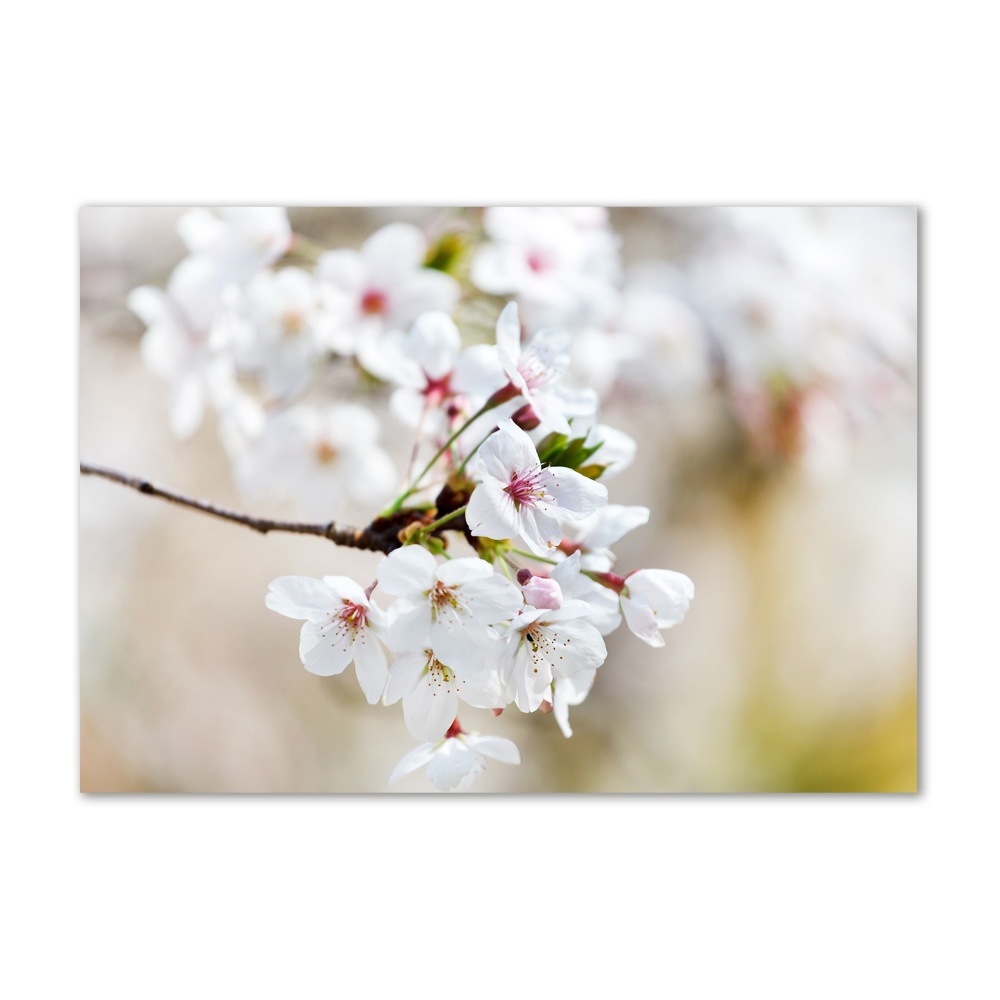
[795,670]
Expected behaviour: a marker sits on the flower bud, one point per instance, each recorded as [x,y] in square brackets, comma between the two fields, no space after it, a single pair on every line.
[526,418]
[524,575]
[543,592]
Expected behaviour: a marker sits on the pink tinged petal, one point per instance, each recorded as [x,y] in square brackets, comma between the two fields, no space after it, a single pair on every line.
[543,592]
[569,495]
[668,594]
[404,675]
[301,597]
[370,665]
[547,357]
[491,512]
[412,761]
[496,747]
[640,619]
[407,571]
[430,708]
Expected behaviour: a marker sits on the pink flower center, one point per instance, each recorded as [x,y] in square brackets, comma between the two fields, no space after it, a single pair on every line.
[437,389]
[374,302]
[537,262]
[354,616]
[525,487]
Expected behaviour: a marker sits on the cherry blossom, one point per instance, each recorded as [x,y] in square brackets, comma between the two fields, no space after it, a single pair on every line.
[435,376]
[561,264]
[182,344]
[655,599]
[448,607]
[240,241]
[544,644]
[341,626]
[535,368]
[431,690]
[454,762]
[319,457]
[384,286]
[516,496]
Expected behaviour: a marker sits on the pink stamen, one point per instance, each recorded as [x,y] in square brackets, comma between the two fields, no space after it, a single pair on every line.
[524,488]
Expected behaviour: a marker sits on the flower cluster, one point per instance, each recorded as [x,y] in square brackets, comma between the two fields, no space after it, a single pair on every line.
[494,343]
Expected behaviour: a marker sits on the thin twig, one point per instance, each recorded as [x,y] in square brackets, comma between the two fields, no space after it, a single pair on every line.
[355,538]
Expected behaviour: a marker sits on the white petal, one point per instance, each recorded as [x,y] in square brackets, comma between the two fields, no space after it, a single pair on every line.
[509,331]
[491,513]
[496,747]
[393,250]
[611,524]
[371,667]
[409,763]
[573,496]
[466,570]
[455,766]
[408,626]
[404,674]
[408,570]
[430,708]
[346,589]
[301,597]
[325,649]
[642,622]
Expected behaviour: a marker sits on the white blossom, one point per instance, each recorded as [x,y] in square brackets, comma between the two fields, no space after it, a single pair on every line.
[384,286]
[544,644]
[320,457]
[431,690]
[516,496]
[342,625]
[655,599]
[535,368]
[239,241]
[181,343]
[561,264]
[453,763]
[448,607]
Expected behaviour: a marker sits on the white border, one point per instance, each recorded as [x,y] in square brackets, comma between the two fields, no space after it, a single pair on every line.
[765,103]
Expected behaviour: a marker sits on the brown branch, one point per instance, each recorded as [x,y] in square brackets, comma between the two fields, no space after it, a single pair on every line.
[380,536]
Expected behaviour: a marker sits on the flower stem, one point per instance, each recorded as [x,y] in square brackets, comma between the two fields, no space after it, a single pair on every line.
[397,504]
[434,525]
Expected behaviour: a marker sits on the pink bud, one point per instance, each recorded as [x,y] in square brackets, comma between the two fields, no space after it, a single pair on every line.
[526,418]
[543,592]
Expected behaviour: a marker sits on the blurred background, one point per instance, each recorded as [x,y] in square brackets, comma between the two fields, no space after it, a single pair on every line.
[765,360]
